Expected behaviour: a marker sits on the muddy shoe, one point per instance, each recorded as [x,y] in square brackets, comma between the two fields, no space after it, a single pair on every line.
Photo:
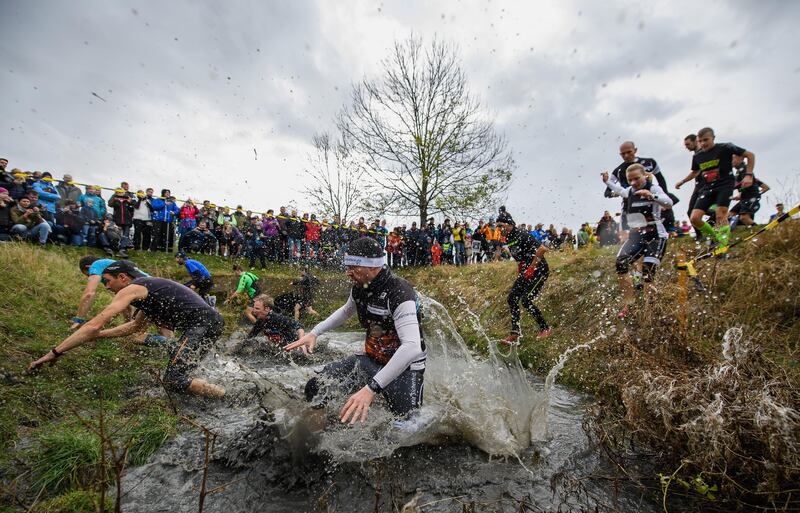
[511,340]
[623,314]
[545,333]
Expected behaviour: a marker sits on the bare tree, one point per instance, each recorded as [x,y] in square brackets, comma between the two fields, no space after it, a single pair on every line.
[427,146]
[336,190]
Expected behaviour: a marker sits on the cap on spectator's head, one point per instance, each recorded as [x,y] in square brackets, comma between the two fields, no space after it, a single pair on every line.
[180,255]
[126,267]
[501,209]
[3,189]
[505,217]
[47,174]
[364,252]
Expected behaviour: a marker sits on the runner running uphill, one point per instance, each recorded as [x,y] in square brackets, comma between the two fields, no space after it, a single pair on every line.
[248,285]
[714,164]
[92,267]
[393,362]
[749,198]
[200,281]
[643,202]
[164,303]
[532,273]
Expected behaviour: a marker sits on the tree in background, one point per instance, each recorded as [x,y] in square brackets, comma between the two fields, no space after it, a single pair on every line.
[337,188]
[427,146]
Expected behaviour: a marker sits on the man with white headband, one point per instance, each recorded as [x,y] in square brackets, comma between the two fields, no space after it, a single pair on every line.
[393,361]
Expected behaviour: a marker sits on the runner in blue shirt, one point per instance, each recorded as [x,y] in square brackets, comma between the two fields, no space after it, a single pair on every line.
[201,281]
[92,267]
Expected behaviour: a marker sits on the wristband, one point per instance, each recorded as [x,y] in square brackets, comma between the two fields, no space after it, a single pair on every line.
[78,320]
[56,352]
[375,387]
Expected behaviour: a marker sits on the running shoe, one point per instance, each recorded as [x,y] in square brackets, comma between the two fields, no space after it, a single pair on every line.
[624,312]
[510,340]
[545,333]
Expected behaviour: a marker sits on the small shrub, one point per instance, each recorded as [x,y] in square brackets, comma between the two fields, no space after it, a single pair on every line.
[68,458]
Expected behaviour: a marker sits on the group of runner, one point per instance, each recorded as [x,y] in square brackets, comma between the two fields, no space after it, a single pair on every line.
[392,364]
[718,170]
[394,356]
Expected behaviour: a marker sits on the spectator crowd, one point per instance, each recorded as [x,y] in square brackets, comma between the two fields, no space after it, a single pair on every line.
[37,207]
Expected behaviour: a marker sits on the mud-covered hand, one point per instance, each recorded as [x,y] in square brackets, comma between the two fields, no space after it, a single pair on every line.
[357,407]
[307,342]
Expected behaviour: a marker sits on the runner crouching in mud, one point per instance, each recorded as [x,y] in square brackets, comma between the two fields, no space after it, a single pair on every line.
[163,302]
[393,362]
[279,329]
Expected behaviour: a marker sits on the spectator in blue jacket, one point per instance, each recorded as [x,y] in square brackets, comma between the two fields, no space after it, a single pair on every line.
[98,203]
[48,197]
[165,211]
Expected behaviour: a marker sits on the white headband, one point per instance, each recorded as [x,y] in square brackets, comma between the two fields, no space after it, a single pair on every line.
[363,261]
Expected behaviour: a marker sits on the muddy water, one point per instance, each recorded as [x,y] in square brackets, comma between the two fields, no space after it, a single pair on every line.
[489,438]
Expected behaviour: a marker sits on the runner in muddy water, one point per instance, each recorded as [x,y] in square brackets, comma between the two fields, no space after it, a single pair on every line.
[278,328]
[393,361]
[164,303]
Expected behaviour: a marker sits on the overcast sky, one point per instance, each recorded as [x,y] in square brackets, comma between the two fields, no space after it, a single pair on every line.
[190,89]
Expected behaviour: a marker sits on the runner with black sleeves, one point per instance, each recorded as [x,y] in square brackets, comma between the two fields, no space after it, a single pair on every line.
[715,164]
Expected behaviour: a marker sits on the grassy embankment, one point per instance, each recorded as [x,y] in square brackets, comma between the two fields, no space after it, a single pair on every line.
[46,448]
[49,454]
[734,423]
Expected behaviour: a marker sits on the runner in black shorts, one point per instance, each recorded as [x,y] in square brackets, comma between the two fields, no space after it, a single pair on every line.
[749,198]
[393,361]
[164,303]
[648,238]
[532,273]
[691,144]
[714,165]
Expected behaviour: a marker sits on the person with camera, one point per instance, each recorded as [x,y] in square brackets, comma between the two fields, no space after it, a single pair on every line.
[123,204]
[69,223]
[27,222]
[199,240]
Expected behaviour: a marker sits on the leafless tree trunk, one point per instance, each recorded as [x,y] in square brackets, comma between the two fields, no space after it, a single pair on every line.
[337,189]
[427,146]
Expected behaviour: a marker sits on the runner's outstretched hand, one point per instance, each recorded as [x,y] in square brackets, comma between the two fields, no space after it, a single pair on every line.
[357,407]
[604,174]
[306,342]
[49,357]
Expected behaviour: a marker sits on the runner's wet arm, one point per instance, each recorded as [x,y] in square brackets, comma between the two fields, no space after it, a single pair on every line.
[407,326]
[691,176]
[337,318]
[137,324]
[617,189]
[660,197]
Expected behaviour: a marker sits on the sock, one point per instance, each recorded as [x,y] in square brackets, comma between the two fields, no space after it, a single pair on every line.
[723,234]
[708,231]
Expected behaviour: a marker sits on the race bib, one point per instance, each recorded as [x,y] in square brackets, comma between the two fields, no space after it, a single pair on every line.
[636,220]
[710,175]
